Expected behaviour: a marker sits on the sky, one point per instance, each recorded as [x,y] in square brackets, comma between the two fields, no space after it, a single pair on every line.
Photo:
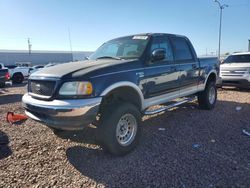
[50,24]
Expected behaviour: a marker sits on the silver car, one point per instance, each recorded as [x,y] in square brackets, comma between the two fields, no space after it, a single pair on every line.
[235,70]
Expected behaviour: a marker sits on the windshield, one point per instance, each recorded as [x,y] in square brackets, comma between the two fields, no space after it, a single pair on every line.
[238,59]
[131,47]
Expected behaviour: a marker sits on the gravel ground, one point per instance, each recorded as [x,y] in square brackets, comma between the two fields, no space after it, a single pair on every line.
[185,147]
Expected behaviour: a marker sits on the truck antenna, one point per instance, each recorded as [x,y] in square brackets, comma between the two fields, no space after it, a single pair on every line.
[70,44]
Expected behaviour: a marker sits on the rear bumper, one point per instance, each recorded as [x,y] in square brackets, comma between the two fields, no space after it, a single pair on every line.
[62,114]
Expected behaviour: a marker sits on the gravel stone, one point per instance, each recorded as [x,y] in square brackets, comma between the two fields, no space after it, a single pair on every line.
[33,156]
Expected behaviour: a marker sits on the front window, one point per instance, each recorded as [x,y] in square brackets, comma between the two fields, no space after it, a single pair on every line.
[238,59]
[131,47]
[162,42]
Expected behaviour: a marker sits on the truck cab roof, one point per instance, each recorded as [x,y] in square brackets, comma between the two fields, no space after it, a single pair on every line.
[155,34]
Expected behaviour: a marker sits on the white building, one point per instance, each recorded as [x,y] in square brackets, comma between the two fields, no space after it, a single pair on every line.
[11,57]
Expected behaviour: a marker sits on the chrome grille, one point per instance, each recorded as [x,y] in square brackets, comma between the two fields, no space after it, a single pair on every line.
[42,87]
[233,71]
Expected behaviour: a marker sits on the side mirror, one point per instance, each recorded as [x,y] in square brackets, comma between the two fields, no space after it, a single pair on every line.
[158,54]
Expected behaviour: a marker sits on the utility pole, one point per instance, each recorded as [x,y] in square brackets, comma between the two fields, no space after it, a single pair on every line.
[249,45]
[221,8]
[29,45]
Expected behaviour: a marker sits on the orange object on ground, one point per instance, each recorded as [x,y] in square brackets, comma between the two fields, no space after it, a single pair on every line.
[14,118]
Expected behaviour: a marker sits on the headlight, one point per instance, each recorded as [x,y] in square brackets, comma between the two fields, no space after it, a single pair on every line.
[76,88]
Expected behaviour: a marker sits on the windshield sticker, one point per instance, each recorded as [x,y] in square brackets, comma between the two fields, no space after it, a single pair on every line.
[140,37]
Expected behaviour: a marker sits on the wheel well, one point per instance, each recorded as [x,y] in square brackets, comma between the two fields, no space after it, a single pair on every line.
[211,78]
[124,94]
[17,73]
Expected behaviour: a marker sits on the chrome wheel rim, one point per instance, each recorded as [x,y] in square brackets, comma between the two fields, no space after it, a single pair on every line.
[211,95]
[126,129]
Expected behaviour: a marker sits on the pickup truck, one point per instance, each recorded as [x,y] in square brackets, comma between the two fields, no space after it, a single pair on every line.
[118,85]
[235,70]
[4,75]
[18,74]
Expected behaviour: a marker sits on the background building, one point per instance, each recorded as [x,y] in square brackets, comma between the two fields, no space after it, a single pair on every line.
[11,57]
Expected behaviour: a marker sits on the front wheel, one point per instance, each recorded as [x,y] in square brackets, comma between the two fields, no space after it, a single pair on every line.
[119,128]
[207,98]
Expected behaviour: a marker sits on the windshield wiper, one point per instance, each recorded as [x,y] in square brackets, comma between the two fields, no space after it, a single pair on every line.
[109,57]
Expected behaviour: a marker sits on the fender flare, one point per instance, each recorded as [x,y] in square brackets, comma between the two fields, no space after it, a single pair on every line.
[211,72]
[124,84]
[17,73]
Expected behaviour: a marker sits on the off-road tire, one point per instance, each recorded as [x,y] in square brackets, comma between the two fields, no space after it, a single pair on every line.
[203,97]
[56,131]
[17,78]
[107,128]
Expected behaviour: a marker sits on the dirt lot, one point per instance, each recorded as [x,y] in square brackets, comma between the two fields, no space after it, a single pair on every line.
[186,147]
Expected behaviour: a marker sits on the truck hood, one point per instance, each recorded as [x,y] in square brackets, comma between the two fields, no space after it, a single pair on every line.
[235,65]
[70,68]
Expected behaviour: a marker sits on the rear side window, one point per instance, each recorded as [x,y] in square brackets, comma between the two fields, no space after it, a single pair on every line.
[0,66]
[181,49]
[162,42]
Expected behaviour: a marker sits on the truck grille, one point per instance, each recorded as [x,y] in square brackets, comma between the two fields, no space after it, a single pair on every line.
[238,72]
[42,87]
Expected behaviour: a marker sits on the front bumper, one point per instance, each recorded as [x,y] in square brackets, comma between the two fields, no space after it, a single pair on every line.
[236,79]
[219,82]
[62,114]
[244,83]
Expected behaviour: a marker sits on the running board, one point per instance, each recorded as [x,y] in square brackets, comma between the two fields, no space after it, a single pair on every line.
[159,110]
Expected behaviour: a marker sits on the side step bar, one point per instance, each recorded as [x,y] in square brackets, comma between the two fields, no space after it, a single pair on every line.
[152,112]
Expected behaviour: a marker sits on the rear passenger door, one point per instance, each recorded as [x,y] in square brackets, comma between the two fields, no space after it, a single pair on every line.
[162,76]
[188,64]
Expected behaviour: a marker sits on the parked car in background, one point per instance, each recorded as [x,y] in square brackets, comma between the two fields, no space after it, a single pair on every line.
[39,67]
[235,70]
[10,66]
[4,75]
[36,68]
[23,64]
[18,74]
[50,65]
[118,84]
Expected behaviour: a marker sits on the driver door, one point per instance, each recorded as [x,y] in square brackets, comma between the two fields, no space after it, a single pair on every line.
[162,76]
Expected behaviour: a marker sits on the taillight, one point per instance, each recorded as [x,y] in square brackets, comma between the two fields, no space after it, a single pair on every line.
[7,76]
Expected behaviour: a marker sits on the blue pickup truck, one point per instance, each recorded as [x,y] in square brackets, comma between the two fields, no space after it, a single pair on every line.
[118,85]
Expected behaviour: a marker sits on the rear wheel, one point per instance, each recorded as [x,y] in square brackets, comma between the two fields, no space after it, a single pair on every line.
[119,128]
[17,78]
[207,98]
